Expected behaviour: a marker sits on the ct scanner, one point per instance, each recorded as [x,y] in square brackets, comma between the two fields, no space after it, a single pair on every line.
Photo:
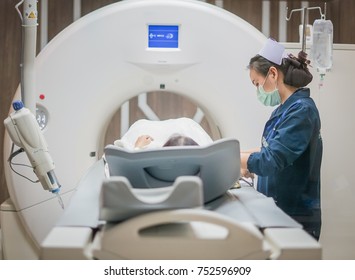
[86,73]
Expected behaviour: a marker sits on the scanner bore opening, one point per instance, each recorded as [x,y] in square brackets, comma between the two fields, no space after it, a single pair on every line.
[164,105]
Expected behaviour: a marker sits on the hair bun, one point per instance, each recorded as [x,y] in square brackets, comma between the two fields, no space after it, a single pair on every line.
[297,74]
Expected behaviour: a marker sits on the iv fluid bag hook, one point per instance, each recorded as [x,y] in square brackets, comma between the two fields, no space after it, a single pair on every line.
[304,21]
[308,8]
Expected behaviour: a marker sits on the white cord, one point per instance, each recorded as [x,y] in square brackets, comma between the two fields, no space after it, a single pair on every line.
[18,10]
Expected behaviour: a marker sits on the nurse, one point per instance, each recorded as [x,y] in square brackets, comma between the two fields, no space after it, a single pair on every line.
[289,160]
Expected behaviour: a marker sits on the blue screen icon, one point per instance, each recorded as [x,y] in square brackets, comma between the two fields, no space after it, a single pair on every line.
[163,36]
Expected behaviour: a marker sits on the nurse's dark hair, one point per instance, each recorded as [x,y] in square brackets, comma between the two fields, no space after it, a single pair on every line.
[294,69]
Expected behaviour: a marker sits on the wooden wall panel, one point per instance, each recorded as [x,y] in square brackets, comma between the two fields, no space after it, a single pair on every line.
[248,10]
[274,19]
[60,15]
[88,6]
[341,12]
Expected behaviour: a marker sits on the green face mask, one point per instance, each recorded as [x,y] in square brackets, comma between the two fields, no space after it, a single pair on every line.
[271,98]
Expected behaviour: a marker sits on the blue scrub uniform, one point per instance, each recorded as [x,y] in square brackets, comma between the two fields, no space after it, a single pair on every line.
[288,165]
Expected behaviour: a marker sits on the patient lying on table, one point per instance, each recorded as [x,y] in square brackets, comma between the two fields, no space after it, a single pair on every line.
[175,140]
[155,169]
[145,134]
[143,157]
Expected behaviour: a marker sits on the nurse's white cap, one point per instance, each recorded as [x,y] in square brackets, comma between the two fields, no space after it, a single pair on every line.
[273,51]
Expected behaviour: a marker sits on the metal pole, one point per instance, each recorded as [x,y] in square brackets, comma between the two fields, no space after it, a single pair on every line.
[304,29]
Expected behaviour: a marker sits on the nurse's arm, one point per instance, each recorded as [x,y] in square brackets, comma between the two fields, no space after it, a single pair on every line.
[244,156]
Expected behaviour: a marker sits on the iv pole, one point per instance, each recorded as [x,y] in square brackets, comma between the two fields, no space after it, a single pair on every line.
[304,11]
[302,53]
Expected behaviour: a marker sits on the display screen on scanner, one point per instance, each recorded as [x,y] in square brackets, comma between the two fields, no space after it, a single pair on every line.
[163,36]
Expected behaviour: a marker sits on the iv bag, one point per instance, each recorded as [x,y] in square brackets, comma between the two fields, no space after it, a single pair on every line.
[322,47]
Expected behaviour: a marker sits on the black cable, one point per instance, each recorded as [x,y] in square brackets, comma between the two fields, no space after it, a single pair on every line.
[251,184]
[12,155]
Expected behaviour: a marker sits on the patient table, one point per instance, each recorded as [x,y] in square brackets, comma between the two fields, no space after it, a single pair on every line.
[174,203]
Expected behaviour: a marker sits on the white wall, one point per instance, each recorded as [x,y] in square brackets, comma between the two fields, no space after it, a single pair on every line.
[336,103]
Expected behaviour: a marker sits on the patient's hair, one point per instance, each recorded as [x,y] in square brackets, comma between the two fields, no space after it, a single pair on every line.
[180,140]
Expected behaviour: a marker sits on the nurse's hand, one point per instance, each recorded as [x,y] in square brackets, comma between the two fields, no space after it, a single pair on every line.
[246,174]
[143,141]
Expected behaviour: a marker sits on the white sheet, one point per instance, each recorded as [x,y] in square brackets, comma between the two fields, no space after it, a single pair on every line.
[161,132]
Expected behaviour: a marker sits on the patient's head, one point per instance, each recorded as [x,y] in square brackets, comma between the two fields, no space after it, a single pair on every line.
[180,140]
